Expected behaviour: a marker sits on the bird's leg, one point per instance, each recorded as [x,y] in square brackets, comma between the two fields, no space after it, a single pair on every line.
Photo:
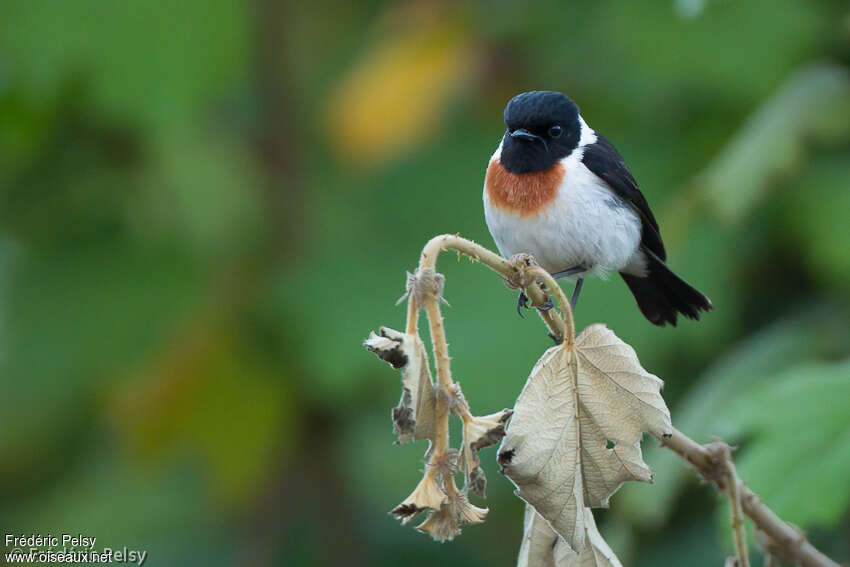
[570,272]
[576,291]
[522,300]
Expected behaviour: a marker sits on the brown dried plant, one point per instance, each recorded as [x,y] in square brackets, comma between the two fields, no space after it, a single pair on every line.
[574,434]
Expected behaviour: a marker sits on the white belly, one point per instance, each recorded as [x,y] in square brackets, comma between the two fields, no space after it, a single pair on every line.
[587,224]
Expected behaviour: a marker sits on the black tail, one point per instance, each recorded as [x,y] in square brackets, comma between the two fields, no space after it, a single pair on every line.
[662,294]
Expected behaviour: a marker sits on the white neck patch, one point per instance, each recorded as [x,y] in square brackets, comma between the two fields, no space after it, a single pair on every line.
[588,135]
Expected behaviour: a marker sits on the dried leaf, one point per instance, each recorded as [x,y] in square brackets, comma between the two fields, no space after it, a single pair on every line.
[426,496]
[414,417]
[542,547]
[538,541]
[596,554]
[444,524]
[480,432]
[577,426]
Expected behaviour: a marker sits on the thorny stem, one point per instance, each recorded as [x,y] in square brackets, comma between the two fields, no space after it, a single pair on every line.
[522,273]
[733,489]
[552,287]
[444,378]
[784,540]
[412,316]
[713,461]
[519,273]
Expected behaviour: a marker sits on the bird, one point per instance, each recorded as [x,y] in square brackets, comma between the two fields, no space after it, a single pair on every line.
[558,190]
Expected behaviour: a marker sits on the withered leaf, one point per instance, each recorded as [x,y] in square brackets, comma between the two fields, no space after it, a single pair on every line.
[480,432]
[595,554]
[414,417]
[542,547]
[538,541]
[576,430]
[427,496]
[444,524]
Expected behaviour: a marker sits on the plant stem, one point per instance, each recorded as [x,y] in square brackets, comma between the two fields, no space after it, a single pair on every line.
[713,461]
[444,374]
[513,274]
[712,464]
[412,316]
[553,288]
[733,486]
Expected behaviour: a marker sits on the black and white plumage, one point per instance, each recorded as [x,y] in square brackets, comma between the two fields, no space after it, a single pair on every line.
[560,191]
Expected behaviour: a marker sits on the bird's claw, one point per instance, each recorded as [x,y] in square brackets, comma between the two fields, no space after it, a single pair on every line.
[549,304]
[522,303]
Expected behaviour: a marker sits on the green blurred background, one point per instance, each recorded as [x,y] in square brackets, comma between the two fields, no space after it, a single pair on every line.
[205,206]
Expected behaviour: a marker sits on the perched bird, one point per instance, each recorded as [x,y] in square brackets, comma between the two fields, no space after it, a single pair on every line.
[558,190]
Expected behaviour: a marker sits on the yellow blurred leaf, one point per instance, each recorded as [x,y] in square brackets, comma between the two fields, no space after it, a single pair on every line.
[395,93]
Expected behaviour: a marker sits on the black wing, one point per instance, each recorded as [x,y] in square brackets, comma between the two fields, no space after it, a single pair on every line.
[603,159]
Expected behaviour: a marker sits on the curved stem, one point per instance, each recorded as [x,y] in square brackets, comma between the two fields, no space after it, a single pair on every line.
[511,272]
[713,461]
[412,316]
[553,288]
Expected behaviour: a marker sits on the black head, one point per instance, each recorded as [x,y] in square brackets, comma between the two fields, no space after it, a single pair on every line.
[543,127]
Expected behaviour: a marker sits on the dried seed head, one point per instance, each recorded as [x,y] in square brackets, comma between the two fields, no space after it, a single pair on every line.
[427,496]
[440,525]
[465,512]
[424,283]
[444,524]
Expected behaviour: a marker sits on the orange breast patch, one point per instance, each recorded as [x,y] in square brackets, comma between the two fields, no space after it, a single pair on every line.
[523,194]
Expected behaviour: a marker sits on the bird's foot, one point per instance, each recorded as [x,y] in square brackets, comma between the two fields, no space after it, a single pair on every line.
[549,304]
[522,303]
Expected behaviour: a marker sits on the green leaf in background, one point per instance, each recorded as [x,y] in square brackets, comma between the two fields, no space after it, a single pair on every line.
[201,190]
[704,411]
[71,324]
[799,423]
[205,396]
[162,507]
[812,106]
[150,62]
[815,209]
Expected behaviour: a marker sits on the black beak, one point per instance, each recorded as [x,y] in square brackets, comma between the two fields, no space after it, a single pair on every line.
[523,134]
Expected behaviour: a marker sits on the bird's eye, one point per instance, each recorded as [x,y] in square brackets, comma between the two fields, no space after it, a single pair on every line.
[555,131]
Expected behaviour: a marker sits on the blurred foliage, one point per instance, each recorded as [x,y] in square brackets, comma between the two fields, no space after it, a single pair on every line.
[206,206]
[813,106]
[779,416]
